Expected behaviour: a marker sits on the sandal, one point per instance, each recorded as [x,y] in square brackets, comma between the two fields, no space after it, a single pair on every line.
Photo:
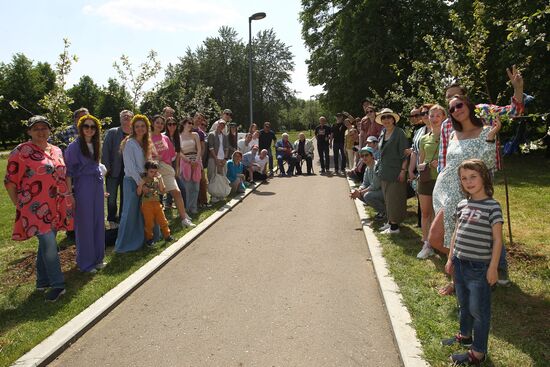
[447,290]
[460,359]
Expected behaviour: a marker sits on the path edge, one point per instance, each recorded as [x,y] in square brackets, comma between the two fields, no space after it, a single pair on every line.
[51,347]
[404,334]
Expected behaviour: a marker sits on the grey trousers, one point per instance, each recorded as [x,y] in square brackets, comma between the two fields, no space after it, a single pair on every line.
[395,196]
[212,169]
[375,199]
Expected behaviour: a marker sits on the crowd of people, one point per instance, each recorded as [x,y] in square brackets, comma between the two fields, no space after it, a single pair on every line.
[447,160]
[448,163]
[143,168]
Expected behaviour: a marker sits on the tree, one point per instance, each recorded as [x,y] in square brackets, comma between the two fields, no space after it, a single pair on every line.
[85,94]
[113,98]
[22,85]
[136,80]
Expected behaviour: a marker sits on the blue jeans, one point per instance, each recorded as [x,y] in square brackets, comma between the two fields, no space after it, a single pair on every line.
[191,189]
[48,266]
[112,184]
[339,152]
[474,296]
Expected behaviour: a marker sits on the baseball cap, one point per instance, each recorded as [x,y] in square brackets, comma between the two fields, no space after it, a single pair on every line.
[36,119]
[372,139]
[366,150]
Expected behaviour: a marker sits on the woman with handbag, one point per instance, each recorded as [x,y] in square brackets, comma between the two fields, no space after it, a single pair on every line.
[427,175]
[190,164]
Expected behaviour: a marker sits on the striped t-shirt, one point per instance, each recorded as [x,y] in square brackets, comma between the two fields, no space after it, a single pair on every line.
[474,236]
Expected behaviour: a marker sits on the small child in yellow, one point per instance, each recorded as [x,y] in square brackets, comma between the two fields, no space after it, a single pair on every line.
[150,188]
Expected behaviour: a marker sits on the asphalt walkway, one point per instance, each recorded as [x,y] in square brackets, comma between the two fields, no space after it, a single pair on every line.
[282,280]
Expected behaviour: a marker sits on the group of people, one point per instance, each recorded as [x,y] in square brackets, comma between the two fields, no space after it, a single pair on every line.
[450,161]
[147,165]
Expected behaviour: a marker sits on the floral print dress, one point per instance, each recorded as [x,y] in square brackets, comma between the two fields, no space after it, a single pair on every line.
[447,192]
[40,180]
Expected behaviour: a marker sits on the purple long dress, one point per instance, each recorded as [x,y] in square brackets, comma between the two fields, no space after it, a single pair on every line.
[89,198]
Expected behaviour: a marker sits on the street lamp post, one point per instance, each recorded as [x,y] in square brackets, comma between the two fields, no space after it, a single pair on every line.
[255,16]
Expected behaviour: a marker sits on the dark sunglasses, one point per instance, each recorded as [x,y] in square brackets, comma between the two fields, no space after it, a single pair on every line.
[425,113]
[371,111]
[457,106]
[86,127]
[171,124]
[385,117]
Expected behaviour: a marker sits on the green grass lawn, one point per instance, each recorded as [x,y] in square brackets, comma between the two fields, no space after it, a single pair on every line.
[520,325]
[25,319]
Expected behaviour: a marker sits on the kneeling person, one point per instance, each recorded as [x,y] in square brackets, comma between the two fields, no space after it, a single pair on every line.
[370,191]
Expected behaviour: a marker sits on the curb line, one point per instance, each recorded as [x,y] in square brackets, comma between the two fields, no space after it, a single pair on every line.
[55,344]
[404,334]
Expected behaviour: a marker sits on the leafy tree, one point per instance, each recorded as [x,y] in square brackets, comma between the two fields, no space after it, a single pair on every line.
[22,85]
[113,98]
[85,94]
[135,80]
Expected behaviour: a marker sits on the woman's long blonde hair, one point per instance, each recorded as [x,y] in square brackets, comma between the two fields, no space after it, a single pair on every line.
[146,144]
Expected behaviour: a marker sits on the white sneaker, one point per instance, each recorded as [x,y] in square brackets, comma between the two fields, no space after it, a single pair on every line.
[390,231]
[187,223]
[101,265]
[384,227]
[426,251]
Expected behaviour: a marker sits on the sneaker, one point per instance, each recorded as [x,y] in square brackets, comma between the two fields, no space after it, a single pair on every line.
[169,239]
[390,231]
[113,225]
[503,279]
[187,223]
[468,358]
[380,216]
[101,265]
[42,288]
[54,294]
[150,243]
[323,171]
[384,227]
[457,339]
[426,251]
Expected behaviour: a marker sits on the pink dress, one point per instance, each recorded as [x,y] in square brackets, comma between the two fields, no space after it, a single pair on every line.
[41,187]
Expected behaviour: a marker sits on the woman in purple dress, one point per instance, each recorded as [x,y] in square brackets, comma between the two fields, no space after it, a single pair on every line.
[82,160]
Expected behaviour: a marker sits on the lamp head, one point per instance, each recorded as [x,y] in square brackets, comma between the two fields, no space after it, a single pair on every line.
[257,16]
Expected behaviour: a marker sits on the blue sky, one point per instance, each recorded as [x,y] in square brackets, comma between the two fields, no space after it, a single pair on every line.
[101,31]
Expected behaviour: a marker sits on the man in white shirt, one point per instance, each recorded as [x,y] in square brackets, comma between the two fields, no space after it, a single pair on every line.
[244,144]
[226,118]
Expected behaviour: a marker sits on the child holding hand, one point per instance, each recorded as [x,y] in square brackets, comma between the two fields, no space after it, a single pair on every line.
[473,259]
[150,188]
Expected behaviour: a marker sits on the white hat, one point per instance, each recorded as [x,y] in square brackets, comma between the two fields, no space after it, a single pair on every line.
[384,112]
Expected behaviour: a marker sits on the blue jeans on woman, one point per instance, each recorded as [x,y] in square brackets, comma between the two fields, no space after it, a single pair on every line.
[48,266]
[474,296]
[191,195]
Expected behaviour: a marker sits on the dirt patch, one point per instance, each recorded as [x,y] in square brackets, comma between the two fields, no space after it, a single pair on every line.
[23,270]
[517,252]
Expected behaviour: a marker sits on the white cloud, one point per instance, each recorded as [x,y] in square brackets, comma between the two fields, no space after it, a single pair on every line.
[166,15]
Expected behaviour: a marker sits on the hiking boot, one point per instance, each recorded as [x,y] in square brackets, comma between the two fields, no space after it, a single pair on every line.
[54,294]
[457,339]
[469,359]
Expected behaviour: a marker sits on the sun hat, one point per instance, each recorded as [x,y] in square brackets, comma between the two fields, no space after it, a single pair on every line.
[386,111]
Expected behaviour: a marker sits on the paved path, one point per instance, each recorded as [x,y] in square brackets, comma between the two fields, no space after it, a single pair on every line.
[283,280]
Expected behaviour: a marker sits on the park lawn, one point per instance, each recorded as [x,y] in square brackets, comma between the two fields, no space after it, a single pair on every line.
[520,324]
[25,319]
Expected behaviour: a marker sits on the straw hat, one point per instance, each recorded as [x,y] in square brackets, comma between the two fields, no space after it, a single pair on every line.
[386,111]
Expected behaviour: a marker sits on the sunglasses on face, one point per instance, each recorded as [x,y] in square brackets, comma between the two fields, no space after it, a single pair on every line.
[89,127]
[457,106]
[424,113]
[229,114]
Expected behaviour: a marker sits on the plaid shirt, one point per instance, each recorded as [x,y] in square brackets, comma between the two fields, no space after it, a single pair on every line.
[66,136]
[489,110]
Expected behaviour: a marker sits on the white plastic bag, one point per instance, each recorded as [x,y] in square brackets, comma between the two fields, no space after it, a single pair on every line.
[219,186]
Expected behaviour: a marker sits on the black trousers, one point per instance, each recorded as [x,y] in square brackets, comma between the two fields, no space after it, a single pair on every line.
[323,150]
[309,165]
